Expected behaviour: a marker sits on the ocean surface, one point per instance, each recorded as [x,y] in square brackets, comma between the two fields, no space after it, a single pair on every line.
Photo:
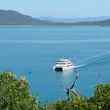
[32,51]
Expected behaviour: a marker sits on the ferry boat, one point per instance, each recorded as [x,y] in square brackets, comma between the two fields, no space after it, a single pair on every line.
[62,65]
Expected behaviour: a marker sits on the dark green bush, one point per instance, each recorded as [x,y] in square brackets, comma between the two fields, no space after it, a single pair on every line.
[15,94]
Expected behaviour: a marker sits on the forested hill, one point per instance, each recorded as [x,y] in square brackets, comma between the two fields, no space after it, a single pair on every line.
[10,17]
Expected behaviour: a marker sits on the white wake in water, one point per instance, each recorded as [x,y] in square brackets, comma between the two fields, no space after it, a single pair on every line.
[93,60]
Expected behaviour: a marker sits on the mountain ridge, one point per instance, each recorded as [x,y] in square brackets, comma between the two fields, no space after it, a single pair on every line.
[10,17]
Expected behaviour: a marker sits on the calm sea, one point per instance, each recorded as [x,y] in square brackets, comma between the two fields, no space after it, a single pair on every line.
[32,51]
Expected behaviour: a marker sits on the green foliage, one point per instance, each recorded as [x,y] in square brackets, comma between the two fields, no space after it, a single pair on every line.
[102,97]
[100,101]
[15,94]
[102,92]
[68,105]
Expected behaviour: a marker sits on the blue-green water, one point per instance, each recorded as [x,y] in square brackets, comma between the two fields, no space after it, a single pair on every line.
[33,51]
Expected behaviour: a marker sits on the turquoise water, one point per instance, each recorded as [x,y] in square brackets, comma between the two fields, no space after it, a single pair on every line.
[32,51]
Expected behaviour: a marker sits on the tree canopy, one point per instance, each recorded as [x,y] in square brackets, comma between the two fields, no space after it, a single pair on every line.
[15,93]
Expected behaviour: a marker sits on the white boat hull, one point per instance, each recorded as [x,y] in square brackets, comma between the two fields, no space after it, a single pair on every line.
[63,64]
[59,68]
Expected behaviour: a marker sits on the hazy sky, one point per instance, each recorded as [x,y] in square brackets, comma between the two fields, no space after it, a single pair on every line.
[59,8]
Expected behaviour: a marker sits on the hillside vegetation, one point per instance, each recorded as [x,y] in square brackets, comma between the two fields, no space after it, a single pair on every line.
[15,94]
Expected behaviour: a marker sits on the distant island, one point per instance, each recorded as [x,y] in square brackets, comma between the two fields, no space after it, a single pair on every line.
[10,17]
